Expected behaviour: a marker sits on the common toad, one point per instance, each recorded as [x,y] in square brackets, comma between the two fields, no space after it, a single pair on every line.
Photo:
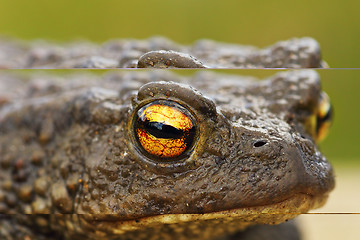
[154,155]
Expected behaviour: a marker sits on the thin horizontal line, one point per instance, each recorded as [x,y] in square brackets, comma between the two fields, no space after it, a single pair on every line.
[292,213]
[201,69]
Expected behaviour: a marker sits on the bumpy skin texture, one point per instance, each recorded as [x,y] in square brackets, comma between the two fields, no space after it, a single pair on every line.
[126,53]
[68,156]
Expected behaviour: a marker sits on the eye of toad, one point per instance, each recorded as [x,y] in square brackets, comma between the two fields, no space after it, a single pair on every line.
[164,129]
[324,117]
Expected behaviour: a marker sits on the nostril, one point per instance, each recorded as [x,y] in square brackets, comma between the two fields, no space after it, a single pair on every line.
[260,143]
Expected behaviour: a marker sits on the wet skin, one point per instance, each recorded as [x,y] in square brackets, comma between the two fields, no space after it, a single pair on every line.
[102,158]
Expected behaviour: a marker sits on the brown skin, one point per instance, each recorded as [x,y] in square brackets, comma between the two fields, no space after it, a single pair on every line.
[73,150]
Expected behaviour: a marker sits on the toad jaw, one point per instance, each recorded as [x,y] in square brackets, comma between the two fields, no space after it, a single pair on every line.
[241,217]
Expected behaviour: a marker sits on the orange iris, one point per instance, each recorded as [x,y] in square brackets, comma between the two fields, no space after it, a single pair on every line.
[164,129]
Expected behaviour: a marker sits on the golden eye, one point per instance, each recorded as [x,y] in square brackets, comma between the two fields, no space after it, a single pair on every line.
[324,117]
[164,129]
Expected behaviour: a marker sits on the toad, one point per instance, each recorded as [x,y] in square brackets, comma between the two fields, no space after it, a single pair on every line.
[154,155]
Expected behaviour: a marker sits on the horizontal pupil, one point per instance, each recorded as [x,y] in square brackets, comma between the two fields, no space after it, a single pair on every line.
[161,130]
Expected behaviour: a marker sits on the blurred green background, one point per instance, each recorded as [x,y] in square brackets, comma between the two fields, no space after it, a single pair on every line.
[335,24]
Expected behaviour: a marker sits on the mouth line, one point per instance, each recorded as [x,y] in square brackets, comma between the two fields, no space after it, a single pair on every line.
[267,214]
